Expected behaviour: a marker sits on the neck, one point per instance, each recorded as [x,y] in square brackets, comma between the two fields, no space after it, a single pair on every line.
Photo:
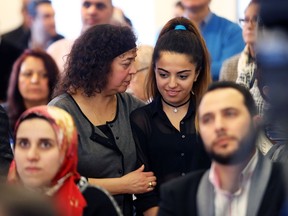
[251,50]
[198,15]
[230,176]
[175,110]
[29,104]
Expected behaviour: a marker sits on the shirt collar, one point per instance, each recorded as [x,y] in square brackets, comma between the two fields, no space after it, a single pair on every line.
[206,20]
[246,174]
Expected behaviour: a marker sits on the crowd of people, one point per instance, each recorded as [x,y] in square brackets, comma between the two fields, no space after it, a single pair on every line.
[194,125]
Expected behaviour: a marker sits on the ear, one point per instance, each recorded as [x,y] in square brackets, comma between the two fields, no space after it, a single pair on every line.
[196,76]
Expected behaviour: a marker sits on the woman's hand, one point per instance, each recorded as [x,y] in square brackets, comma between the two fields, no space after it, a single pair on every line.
[138,181]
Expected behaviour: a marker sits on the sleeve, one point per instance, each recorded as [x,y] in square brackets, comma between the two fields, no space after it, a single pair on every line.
[6,155]
[100,202]
[167,202]
[141,130]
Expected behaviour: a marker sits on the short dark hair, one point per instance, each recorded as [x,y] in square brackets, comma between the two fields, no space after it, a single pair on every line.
[89,62]
[248,99]
[32,6]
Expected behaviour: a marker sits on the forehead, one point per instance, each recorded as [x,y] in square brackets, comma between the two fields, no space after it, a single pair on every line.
[221,99]
[27,127]
[252,9]
[45,7]
[107,2]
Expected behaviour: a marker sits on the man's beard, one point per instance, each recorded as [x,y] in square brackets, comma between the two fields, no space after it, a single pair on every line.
[245,150]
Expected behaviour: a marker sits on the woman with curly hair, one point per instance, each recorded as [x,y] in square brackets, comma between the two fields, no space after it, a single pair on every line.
[32,81]
[99,69]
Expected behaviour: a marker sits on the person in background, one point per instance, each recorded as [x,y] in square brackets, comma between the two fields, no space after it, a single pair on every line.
[178,9]
[32,81]
[6,154]
[246,65]
[38,29]
[137,85]
[240,181]
[19,37]
[43,29]
[223,37]
[93,12]
[233,66]
[46,162]
[99,69]
[165,129]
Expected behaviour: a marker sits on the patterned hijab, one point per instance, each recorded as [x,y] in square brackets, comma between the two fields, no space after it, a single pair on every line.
[63,189]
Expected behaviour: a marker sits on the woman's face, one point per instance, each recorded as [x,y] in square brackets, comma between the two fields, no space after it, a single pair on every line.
[175,76]
[250,28]
[37,155]
[33,81]
[122,69]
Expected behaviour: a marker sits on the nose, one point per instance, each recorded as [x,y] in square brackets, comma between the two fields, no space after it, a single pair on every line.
[33,154]
[133,69]
[172,82]
[35,78]
[92,9]
[219,124]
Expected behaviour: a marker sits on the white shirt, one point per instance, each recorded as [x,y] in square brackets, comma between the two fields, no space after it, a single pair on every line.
[233,204]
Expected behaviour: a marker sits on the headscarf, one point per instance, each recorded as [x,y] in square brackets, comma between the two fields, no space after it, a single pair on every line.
[63,189]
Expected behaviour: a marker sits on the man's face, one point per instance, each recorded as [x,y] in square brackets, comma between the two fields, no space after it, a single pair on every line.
[95,12]
[226,126]
[195,4]
[44,22]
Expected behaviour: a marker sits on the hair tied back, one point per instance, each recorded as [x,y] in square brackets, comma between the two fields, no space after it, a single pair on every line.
[180,27]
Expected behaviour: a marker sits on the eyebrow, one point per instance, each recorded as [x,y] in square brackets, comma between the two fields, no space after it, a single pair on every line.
[182,71]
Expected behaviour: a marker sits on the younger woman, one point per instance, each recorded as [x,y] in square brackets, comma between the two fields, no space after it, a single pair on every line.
[164,130]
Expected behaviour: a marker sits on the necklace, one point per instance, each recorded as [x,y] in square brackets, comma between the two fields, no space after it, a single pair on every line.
[175,110]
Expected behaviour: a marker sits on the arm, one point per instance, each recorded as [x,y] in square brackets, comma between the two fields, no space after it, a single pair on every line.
[135,182]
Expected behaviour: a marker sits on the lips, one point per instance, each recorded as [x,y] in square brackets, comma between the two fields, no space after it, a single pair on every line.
[172,93]
[32,169]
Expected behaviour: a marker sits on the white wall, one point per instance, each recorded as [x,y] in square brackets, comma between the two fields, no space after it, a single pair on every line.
[148,16]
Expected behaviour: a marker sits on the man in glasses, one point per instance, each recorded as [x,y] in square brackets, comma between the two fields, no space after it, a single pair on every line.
[93,12]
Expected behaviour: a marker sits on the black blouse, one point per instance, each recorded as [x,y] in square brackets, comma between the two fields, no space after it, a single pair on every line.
[163,149]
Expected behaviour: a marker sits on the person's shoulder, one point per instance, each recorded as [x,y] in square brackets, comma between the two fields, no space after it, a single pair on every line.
[184,182]
[60,100]
[61,44]
[224,22]
[130,101]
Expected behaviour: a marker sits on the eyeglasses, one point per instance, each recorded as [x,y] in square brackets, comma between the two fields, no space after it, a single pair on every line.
[254,21]
[142,69]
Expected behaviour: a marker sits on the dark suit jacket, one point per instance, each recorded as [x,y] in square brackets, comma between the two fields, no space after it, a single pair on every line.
[179,196]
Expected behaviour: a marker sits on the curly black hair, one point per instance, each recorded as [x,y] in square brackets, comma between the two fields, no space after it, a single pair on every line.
[89,62]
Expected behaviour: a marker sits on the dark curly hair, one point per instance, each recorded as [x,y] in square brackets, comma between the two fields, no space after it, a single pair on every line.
[89,62]
[14,98]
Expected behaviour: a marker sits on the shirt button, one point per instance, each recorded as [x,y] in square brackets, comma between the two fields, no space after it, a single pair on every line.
[120,171]
[182,122]
[183,136]
[183,174]
[117,138]
[182,154]
[111,125]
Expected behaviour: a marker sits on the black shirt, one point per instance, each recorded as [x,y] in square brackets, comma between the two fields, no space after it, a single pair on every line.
[167,152]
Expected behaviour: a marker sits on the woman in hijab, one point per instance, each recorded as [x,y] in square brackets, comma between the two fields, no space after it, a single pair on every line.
[46,161]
